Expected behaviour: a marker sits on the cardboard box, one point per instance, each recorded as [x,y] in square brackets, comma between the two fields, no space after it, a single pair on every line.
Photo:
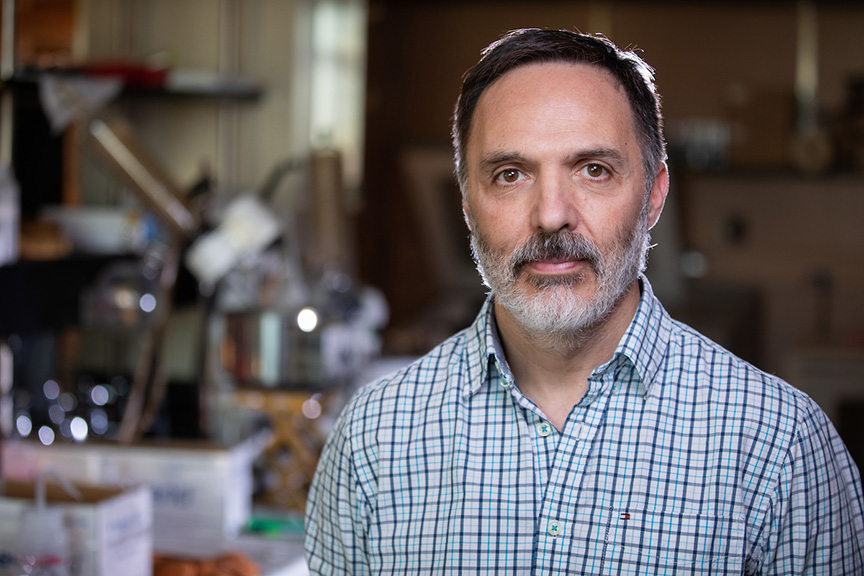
[199,491]
[109,529]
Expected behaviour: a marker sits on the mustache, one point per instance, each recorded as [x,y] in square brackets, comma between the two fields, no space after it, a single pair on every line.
[561,245]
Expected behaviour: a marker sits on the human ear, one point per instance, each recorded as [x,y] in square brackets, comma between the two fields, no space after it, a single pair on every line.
[466,213]
[657,196]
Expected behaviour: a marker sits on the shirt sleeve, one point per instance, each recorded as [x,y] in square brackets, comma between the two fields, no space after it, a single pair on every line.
[816,517]
[335,525]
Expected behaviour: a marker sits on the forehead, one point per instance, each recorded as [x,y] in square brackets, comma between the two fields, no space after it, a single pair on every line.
[582,100]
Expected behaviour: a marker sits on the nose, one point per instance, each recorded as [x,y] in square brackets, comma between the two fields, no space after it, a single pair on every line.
[554,204]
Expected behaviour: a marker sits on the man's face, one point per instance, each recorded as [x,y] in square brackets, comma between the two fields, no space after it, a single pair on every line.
[555,195]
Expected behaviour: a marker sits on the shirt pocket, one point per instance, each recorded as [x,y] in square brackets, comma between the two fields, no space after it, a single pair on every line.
[653,542]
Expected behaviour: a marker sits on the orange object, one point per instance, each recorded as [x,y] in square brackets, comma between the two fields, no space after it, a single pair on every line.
[228,564]
[171,567]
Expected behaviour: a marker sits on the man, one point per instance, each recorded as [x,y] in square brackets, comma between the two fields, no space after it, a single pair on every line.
[575,428]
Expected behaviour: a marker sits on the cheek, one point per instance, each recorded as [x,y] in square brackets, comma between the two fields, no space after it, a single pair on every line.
[501,231]
[620,236]
[611,222]
[498,215]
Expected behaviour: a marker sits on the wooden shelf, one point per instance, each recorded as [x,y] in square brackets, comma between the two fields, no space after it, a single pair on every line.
[226,89]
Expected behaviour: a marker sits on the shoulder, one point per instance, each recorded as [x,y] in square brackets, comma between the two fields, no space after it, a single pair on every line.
[776,435]
[767,416]
[699,361]
[399,396]
[386,416]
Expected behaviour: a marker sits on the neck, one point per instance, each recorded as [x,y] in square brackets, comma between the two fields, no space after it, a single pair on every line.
[553,370]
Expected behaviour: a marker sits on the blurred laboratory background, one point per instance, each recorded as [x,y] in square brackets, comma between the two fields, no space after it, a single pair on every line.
[218,218]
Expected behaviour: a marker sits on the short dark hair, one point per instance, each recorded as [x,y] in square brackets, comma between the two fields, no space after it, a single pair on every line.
[534,45]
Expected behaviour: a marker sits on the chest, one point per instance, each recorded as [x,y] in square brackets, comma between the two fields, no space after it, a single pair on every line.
[624,487]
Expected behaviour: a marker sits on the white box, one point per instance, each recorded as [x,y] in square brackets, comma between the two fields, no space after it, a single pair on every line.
[199,491]
[109,529]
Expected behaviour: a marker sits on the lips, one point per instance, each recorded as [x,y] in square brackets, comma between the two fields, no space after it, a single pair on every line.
[555,265]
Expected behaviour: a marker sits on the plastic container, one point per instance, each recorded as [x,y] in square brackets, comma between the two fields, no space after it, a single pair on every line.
[42,548]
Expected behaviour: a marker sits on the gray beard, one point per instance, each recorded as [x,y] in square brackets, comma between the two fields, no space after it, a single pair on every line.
[553,313]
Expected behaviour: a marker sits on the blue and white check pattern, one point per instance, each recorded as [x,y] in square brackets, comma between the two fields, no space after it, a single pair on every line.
[680,459]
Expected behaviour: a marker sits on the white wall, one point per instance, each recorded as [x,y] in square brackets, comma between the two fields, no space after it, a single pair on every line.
[259,40]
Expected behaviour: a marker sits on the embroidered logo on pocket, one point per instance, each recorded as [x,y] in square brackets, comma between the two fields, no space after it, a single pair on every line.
[661,542]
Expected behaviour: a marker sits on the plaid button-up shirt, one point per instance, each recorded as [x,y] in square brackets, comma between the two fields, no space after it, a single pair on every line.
[680,459]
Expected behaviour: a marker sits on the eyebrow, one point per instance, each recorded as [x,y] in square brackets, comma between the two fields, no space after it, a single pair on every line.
[610,155]
[495,159]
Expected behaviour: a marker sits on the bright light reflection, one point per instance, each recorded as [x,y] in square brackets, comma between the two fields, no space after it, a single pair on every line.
[51,389]
[99,395]
[124,297]
[99,421]
[311,408]
[307,319]
[24,425]
[78,427]
[147,303]
[46,435]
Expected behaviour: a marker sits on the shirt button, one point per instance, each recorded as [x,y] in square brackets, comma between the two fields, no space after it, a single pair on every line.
[554,529]
[544,428]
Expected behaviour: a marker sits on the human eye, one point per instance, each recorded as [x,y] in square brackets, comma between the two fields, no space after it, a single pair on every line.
[509,176]
[595,171]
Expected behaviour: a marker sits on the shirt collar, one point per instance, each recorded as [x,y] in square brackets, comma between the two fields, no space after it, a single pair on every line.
[644,343]
[482,348]
[646,340]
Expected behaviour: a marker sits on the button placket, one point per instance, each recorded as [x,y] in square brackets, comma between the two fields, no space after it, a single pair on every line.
[573,447]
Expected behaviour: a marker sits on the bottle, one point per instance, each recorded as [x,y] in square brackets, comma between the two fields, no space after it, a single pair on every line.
[43,547]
